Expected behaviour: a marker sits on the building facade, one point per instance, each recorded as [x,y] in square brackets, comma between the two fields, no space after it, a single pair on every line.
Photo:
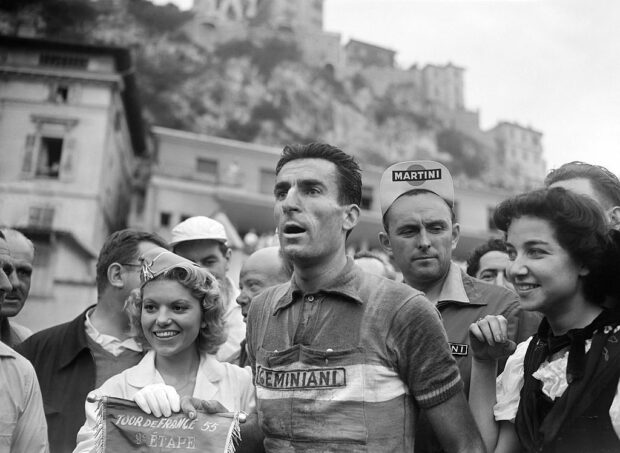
[519,155]
[71,137]
[204,175]
[363,54]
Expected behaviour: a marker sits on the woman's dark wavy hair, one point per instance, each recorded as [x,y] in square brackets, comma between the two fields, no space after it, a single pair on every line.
[580,228]
[204,287]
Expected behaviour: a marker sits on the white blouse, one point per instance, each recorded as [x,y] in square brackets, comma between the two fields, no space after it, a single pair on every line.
[552,374]
[229,384]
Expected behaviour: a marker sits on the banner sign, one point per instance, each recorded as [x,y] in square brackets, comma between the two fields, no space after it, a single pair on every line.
[123,427]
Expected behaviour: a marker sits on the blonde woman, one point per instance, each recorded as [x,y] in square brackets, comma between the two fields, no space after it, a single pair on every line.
[178,317]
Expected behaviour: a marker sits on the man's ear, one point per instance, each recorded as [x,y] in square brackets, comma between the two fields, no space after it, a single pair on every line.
[456,234]
[614,217]
[115,275]
[384,240]
[351,217]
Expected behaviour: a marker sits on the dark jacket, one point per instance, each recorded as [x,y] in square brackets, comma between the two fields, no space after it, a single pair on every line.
[66,373]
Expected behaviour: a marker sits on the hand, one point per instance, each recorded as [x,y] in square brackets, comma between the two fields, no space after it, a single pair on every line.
[158,399]
[189,406]
[489,338]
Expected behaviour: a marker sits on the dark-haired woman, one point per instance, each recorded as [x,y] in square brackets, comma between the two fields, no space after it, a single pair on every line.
[559,390]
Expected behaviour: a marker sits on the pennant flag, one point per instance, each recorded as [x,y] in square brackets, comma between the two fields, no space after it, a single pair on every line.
[123,427]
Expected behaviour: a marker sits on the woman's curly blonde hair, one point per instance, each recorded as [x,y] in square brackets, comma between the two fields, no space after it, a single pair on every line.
[203,286]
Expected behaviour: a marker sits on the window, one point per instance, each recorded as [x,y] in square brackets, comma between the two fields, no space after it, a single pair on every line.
[50,151]
[63,61]
[267,180]
[208,169]
[366,197]
[41,217]
[164,219]
[62,94]
[50,154]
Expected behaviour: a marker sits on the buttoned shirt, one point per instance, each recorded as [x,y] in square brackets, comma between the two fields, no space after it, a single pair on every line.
[462,301]
[346,368]
[110,343]
[22,421]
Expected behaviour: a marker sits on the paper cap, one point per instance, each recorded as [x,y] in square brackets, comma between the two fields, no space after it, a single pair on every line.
[197,228]
[158,260]
[404,177]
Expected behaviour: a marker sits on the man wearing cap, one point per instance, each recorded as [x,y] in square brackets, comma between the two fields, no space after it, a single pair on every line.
[22,421]
[203,240]
[417,204]
[343,360]
[73,358]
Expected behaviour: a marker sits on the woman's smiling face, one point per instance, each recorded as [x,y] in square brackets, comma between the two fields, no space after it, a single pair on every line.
[171,317]
[543,273]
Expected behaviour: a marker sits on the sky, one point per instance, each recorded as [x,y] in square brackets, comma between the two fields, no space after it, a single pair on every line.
[553,65]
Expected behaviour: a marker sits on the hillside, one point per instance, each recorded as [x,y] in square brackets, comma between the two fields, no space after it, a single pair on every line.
[257,90]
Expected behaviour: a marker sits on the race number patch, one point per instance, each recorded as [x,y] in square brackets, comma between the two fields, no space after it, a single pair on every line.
[309,378]
[459,349]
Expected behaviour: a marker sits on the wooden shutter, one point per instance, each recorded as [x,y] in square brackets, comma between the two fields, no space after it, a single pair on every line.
[67,166]
[29,156]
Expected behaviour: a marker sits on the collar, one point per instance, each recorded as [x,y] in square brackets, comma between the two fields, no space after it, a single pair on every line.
[110,343]
[6,351]
[210,371]
[575,340]
[345,284]
[453,288]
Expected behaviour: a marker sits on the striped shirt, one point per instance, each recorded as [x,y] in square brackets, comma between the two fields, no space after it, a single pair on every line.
[347,368]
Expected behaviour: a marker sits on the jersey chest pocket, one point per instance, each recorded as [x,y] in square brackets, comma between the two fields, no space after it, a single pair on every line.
[309,394]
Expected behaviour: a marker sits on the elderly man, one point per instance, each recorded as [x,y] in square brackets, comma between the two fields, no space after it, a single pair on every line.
[262,269]
[22,255]
[203,240]
[22,421]
[594,181]
[343,359]
[73,358]
[417,203]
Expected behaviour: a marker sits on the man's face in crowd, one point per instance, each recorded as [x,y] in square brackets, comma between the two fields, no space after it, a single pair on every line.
[22,254]
[7,272]
[310,219]
[206,253]
[492,269]
[261,270]
[421,238]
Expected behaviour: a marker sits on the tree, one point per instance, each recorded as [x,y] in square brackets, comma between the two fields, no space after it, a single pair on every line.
[468,157]
[68,19]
